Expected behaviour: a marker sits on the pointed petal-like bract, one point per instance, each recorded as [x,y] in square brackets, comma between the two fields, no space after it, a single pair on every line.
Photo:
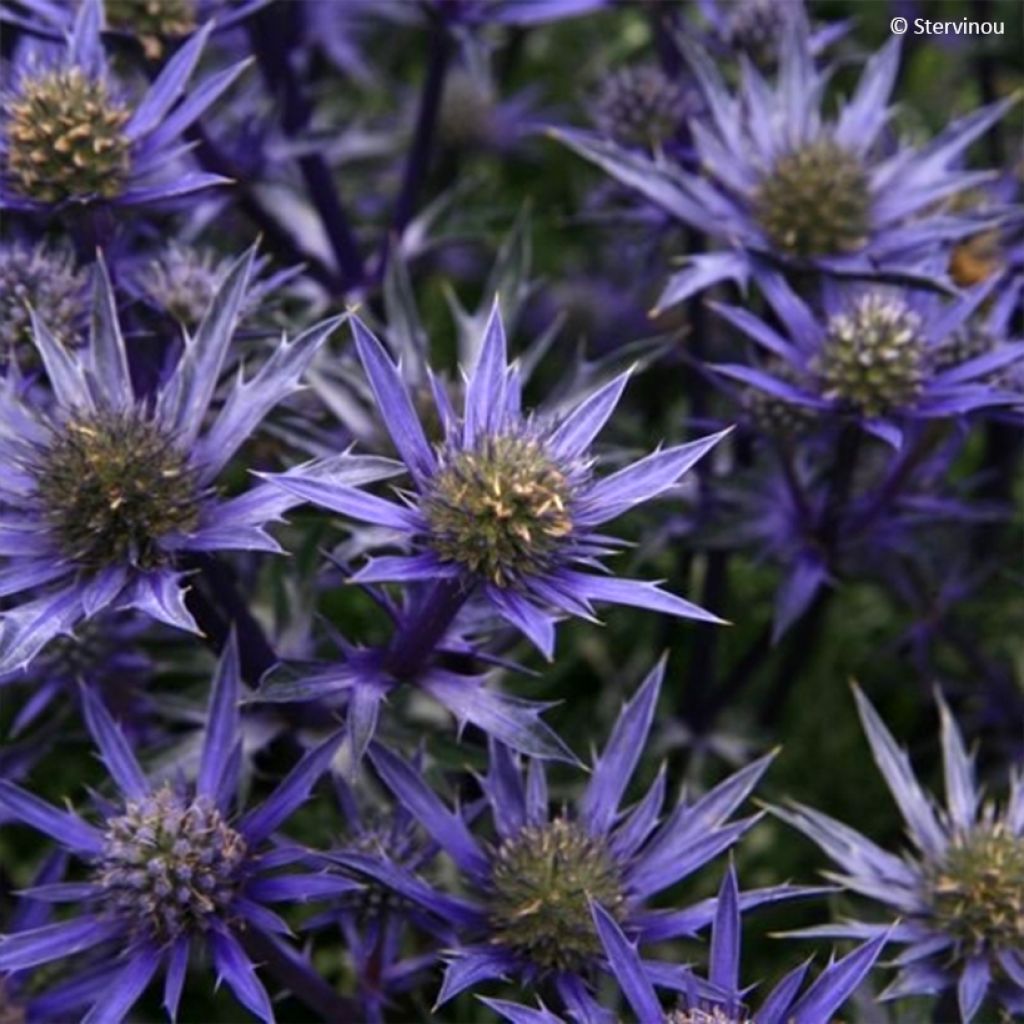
[627,967]
[614,768]
[117,755]
[222,722]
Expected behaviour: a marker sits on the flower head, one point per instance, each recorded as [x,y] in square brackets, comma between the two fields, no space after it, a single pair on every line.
[102,488]
[883,355]
[531,890]
[70,133]
[778,181]
[642,106]
[171,868]
[39,277]
[508,504]
[958,895]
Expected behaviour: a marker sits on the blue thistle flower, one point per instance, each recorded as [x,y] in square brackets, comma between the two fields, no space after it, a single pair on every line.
[69,134]
[886,357]
[507,507]
[171,869]
[101,488]
[957,897]
[778,182]
[529,913]
[42,277]
[722,1000]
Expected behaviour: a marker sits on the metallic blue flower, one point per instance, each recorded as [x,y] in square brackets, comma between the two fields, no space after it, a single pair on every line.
[723,1000]
[171,869]
[957,897]
[529,914]
[70,134]
[778,181]
[101,488]
[507,507]
[882,355]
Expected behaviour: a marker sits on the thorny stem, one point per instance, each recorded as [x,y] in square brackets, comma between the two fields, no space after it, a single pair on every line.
[271,30]
[421,630]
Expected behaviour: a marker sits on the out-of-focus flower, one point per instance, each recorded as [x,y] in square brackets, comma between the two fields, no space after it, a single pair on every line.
[70,134]
[529,912]
[778,181]
[102,488]
[958,897]
[43,277]
[170,870]
[757,29]
[372,921]
[182,280]
[642,106]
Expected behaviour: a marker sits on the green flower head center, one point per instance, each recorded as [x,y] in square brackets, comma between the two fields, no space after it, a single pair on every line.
[815,201]
[111,485]
[500,510]
[873,357]
[66,138]
[977,893]
[543,880]
[168,863]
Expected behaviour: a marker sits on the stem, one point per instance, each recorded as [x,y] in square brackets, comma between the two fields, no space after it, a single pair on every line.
[216,161]
[422,628]
[418,159]
[896,480]
[305,984]
[271,30]
[218,606]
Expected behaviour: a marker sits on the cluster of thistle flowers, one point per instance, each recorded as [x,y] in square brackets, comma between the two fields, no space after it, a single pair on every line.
[123,439]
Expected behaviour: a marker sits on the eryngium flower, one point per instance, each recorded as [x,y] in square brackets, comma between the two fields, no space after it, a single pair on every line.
[171,868]
[783,1005]
[68,133]
[641,106]
[957,896]
[777,180]
[101,488]
[886,356]
[529,913]
[508,504]
[42,277]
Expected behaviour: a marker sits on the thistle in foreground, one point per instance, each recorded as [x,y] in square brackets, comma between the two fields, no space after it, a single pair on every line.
[101,489]
[507,507]
[170,870]
[957,897]
[528,914]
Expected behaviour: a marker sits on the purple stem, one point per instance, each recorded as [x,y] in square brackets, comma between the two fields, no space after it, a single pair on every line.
[417,162]
[423,627]
[272,32]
